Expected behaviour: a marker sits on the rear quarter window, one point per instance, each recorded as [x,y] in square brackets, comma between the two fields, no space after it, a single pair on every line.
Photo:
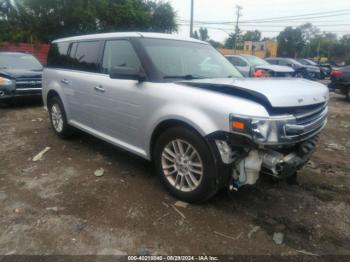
[57,56]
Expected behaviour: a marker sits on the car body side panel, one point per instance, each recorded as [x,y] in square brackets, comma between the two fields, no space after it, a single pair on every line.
[51,81]
[206,111]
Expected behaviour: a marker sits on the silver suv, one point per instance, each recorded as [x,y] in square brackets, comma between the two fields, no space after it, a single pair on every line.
[181,104]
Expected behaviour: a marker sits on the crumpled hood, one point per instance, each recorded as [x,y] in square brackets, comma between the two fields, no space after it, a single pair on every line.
[276,68]
[287,92]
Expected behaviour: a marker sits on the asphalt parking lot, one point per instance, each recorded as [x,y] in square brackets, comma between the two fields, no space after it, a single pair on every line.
[57,205]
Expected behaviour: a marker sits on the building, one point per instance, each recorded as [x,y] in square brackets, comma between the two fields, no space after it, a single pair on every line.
[262,49]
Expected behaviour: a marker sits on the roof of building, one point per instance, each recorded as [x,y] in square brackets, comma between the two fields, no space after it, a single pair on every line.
[126,34]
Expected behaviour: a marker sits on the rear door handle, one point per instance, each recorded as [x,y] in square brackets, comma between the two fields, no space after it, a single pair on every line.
[100,89]
[65,81]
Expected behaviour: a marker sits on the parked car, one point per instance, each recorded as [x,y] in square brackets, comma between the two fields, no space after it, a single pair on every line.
[340,81]
[325,69]
[253,66]
[304,71]
[181,104]
[20,75]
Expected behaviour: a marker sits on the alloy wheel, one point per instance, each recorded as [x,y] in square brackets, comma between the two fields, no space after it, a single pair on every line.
[182,165]
[57,118]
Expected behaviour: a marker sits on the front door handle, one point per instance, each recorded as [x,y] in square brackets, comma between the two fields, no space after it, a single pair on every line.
[65,81]
[100,89]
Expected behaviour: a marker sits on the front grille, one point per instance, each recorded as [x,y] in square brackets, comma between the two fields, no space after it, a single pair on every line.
[308,123]
[28,83]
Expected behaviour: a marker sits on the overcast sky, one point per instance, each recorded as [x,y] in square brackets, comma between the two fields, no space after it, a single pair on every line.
[224,10]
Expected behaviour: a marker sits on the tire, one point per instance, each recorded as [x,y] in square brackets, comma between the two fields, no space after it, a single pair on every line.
[184,181]
[5,103]
[58,118]
[348,93]
[293,179]
[299,75]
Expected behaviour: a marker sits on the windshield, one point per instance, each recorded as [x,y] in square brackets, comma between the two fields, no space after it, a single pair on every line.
[256,61]
[187,60]
[310,62]
[19,61]
[307,62]
[293,61]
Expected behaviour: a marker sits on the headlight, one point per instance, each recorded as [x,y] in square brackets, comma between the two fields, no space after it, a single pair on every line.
[5,82]
[261,130]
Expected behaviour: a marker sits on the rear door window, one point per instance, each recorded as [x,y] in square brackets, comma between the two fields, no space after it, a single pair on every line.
[87,56]
[119,53]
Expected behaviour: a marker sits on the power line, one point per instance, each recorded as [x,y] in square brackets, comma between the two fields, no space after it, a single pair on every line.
[265,25]
[229,31]
[282,18]
[298,16]
[323,25]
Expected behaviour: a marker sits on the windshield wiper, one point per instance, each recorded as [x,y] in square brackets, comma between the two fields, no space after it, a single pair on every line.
[186,77]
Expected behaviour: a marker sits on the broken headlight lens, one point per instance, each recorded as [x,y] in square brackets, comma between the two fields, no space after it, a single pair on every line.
[261,130]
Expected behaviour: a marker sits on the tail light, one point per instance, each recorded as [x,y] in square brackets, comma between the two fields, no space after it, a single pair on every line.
[336,73]
[260,73]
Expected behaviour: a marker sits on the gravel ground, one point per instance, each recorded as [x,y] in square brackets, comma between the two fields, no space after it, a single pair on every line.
[58,206]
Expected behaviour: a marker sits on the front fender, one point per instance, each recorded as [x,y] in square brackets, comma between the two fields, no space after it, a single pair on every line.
[194,117]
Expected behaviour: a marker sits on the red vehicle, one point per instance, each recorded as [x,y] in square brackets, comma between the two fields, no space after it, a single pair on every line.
[341,81]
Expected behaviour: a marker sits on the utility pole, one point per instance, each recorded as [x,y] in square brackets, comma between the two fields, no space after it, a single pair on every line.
[238,14]
[191,23]
[318,49]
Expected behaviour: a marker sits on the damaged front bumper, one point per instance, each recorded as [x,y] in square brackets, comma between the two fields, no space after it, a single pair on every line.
[247,161]
[278,145]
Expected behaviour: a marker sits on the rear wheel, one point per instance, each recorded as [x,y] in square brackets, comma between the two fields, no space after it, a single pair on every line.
[348,93]
[185,165]
[58,118]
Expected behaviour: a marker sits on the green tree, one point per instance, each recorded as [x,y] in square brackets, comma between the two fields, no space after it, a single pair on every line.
[215,44]
[290,42]
[234,41]
[201,34]
[45,20]
[195,34]
[252,36]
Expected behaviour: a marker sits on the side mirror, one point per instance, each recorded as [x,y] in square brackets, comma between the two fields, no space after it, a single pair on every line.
[121,72]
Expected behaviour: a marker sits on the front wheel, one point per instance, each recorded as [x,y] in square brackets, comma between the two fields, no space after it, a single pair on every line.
[185,165]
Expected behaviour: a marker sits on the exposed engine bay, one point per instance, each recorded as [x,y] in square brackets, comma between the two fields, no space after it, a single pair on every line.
[280,162]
